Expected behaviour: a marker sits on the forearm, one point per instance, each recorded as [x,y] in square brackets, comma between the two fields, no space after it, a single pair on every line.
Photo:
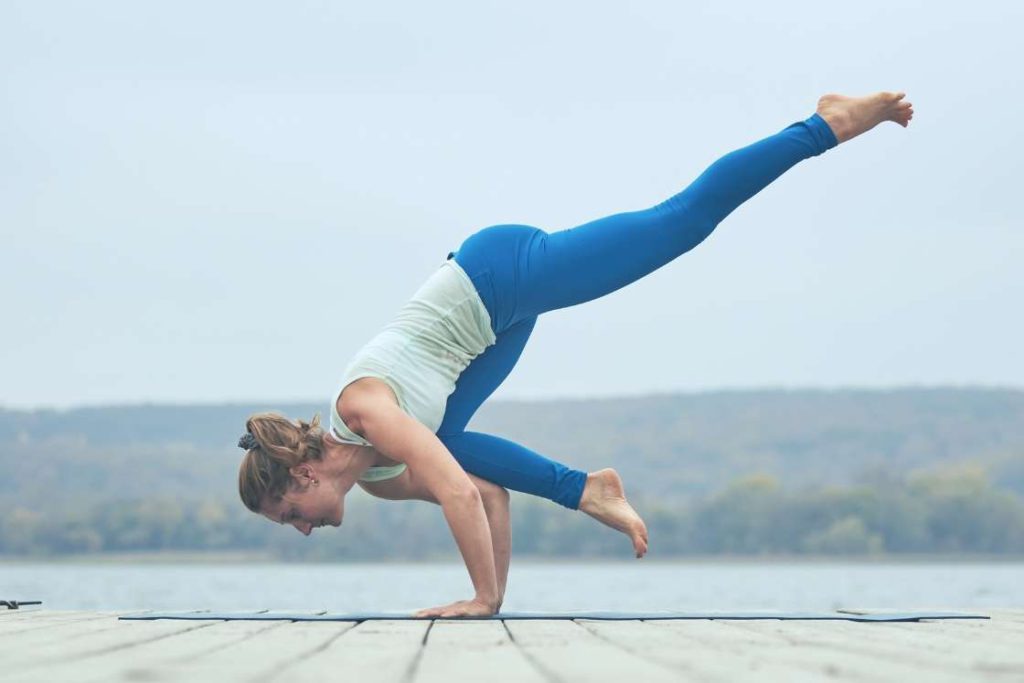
[470,526]
[500,522]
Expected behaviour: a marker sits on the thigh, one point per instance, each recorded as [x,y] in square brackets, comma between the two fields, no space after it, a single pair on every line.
[483,375]
[580,264]
[521,271]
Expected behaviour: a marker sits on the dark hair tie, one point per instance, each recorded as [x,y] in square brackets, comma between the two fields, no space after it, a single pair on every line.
[248,442]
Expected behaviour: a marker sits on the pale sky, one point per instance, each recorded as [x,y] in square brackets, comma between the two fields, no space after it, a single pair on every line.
[223,201]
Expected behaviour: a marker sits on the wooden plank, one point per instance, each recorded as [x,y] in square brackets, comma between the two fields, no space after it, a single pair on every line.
[994,628]
[263,655]
[981,649]
[155,660]
[20,644]
[976,648]
[6,613]
[47,615]
[694,660]
[36,649]
[9,626]
[456,650]
[762,641]
[564,650]
[890,646]
[25,612]
[953,634]
[759,650]
[383,651]
[92,647]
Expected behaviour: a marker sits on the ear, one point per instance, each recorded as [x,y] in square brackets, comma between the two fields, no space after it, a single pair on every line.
[301,471]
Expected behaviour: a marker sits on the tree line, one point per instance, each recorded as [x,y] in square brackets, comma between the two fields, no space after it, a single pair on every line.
[849,471]
[950,511]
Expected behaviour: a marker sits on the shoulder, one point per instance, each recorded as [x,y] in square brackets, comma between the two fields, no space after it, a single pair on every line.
[362,395]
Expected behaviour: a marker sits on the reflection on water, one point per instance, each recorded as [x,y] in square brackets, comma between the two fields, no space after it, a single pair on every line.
[583,586]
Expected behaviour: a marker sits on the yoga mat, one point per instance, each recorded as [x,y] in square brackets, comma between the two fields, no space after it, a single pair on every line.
[613,616]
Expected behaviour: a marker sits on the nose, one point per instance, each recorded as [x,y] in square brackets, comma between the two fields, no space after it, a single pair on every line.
[305,528]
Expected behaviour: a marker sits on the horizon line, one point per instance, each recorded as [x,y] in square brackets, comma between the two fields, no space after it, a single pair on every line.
[753,389]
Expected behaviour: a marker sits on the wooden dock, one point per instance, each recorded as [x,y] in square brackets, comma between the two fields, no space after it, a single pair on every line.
[43,645]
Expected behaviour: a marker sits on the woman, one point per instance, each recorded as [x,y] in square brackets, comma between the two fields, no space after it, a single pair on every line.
[398,421]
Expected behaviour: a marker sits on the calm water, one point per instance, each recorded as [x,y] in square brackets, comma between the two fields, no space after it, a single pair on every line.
[582,586]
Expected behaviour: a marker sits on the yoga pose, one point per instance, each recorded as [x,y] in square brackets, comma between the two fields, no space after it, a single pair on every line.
[398,420]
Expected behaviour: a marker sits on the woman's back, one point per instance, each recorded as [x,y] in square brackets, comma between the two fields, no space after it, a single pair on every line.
[423,350]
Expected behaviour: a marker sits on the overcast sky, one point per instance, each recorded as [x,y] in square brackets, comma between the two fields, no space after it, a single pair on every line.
[223,201]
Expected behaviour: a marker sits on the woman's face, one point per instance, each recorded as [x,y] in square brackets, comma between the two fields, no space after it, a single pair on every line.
[306,506]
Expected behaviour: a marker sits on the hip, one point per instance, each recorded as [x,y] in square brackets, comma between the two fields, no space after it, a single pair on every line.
[494,258]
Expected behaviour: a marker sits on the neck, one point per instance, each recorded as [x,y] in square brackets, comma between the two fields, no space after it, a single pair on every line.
[346,462]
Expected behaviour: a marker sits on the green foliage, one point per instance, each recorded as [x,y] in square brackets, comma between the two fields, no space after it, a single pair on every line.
[754,516]
[846,536]
[761,472]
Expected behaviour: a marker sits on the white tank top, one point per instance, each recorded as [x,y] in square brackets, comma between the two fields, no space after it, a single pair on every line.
[423,350]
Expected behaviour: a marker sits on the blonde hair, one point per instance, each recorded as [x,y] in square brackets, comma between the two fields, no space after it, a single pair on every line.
[277,444]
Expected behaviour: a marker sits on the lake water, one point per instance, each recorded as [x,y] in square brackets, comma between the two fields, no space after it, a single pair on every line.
[575,586]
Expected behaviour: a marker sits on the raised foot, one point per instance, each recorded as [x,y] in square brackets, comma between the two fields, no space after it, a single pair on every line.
[604,499]
[848,117]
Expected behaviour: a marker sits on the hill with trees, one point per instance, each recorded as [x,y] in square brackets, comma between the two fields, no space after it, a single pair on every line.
[741,472]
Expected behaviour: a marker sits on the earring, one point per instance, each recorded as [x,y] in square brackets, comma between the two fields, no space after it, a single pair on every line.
[316,482]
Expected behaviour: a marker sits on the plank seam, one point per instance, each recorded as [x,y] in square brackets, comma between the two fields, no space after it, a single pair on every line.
[410,672]
[540,668]
[276,671]
[625,648]
[51,624]
[125,646]
[866,652]
[223,646]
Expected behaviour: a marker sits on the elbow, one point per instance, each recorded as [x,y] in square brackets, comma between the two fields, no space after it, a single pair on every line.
[464,495]
[469,492]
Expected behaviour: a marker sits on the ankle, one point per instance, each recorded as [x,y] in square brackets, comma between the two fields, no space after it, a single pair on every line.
[588,491]
[839,122]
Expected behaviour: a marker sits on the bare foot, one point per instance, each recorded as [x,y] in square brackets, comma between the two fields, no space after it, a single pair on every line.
[605,500]
[848,117]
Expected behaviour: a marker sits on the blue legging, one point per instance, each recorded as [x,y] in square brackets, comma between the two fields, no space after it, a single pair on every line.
[522,271]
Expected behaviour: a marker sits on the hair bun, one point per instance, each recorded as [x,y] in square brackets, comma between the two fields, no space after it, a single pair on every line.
[248,442]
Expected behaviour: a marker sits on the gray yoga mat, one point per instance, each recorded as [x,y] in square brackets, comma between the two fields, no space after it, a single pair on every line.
[613,616]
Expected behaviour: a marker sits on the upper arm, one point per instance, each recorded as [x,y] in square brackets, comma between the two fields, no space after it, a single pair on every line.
[358,395]
[401,437]
[408,487]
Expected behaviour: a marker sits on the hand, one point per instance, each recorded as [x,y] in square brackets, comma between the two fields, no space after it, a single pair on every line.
[462,608]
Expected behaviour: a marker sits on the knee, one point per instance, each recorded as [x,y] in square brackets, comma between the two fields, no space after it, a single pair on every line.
[490,493]
[501,497]
[685,221]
